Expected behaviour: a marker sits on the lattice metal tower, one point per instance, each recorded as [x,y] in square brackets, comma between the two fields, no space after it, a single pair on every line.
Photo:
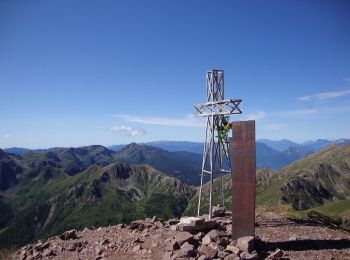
[215,151]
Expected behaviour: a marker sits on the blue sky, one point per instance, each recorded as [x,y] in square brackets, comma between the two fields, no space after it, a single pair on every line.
[77,73]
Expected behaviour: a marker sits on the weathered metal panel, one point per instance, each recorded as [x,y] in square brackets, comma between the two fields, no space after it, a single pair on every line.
[243,168]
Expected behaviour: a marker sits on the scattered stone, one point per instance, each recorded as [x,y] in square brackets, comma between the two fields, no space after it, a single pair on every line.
[276,255]
[159,224]
[41,246]
[47,252]
[183,237]
[218,211]
[167,256]
[198,236]
[204,257]
[136,248]
[222,254]
[105,242]
[155,218]
[208,251]
[222,241]
[246,244]
[248,256]
[293,237]
[173,245]
[137,240]
[70,234]
[209,237]
[23,255]
[172,221]
[74,246]
[140,225]
[232,257]
[195,221]
[213,245]
[186,250]
[120,226]
[234,249]
[98,251]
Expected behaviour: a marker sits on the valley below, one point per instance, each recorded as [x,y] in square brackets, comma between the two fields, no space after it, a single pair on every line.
[45,193]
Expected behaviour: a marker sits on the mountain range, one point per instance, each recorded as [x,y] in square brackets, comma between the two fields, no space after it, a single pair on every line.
[269,153]
[45,193]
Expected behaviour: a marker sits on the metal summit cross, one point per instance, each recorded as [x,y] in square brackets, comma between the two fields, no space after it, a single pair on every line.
[215,151]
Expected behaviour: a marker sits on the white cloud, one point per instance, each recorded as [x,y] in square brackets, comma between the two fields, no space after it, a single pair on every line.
[302,112]
[126,130]
[123,130]
[188,121]
[325,95]
[275,126]
[256,116]
[346,79]
[8,136]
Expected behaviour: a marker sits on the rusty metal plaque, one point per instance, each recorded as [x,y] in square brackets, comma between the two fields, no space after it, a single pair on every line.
[243,168]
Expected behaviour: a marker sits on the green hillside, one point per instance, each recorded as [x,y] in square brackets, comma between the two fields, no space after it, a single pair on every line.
[99,196]
[321,181]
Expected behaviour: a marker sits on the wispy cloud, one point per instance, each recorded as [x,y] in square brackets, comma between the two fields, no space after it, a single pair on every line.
[275,126]
[7,136]
[256,116]
[325,95]
[295,113]
[346,79]
[123,130]
[188,121]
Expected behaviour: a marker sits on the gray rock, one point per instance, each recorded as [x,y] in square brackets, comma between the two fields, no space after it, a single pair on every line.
[140,225]
[173,221]
[120,226]
[173,245]
[246,244]
[183,237]
[234,249]
[232,257]
[98,251]
[276,255]
[70,234]
[207,251]
[105,242]
[186,250]
[218,211]
[198,236]
[222,254]
[210,236]
[136,248]
[247,256]
[41,246]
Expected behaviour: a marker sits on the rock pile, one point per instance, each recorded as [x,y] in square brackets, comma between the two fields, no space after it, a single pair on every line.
[198,243]
[185,238]
[191,238]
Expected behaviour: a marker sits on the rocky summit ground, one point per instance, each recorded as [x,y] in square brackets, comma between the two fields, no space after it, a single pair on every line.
[276,238]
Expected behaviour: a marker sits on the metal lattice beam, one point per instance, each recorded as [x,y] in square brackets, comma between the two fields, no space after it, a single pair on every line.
[215,149]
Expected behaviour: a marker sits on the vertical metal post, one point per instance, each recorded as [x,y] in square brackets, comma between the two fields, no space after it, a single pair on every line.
[242,151]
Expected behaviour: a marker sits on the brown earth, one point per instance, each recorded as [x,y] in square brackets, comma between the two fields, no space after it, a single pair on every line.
[157,239]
